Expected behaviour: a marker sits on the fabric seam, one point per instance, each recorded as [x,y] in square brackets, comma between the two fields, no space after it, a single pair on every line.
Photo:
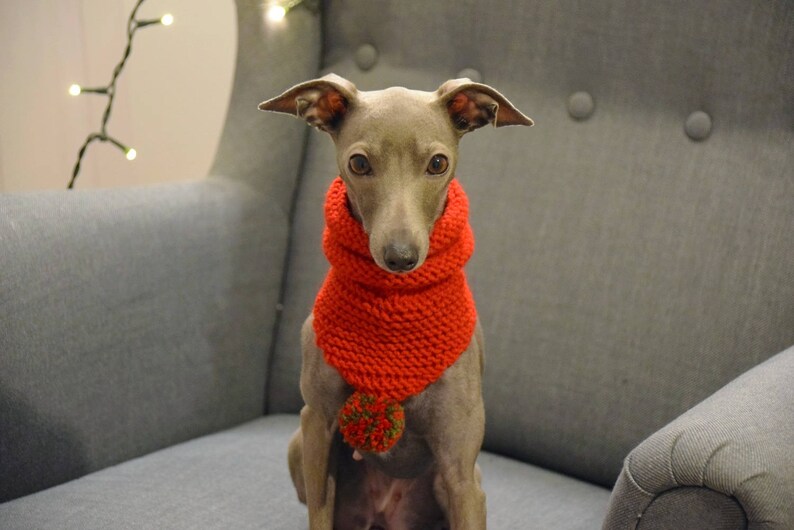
[657,495]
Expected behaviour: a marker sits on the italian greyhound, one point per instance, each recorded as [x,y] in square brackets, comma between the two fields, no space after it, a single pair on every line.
[396,151]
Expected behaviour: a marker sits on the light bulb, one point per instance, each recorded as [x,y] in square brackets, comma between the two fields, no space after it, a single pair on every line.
[131,154]
[276,13]
[75,90]
[167,19]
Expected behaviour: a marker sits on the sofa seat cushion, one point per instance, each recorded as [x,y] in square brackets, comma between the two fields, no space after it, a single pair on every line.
[238,478]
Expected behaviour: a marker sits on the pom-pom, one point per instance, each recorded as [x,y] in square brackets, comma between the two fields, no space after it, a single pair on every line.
[371,423]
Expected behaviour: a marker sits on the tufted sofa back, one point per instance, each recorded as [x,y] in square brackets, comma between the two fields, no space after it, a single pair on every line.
[634,248]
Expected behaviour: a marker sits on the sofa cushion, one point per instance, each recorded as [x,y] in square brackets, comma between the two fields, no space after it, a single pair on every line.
[238,479]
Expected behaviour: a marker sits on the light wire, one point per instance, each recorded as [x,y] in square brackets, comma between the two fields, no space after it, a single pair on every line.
[110,91]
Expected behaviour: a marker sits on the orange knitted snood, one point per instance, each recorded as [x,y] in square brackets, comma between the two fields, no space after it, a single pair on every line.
[391,335]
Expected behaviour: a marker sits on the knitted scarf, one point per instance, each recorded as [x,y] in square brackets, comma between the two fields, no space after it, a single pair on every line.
[391,335]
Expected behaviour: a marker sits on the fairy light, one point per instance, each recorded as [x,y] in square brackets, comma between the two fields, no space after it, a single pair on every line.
[76,90]
[165,20]
[277,11]
[133,25]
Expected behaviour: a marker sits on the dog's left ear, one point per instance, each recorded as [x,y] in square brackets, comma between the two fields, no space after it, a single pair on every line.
[322,102]
[471,105]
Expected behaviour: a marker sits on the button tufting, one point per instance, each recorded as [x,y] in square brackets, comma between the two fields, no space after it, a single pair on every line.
[471,73]
[366,56]
[581,105]
[698,126]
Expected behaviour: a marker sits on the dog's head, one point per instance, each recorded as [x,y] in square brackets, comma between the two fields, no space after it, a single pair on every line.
[397,150]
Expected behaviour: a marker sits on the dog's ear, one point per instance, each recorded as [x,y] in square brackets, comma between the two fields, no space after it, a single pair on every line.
[471,105]
[322,102]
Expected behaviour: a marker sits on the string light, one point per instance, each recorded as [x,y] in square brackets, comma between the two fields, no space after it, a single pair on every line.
[276,13]
[278,10]
[76,90]
[129,152]
[165,20]
[133,25]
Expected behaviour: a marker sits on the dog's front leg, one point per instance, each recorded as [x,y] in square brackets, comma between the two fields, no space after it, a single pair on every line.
[458,421]
[461,495]
[319,468]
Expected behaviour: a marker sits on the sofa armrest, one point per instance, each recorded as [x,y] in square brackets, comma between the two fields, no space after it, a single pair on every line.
[131,319]
[728,461]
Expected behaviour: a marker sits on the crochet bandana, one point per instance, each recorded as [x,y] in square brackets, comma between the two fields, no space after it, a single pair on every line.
[391,335]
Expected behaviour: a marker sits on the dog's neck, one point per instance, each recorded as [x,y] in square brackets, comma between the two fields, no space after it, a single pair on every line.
[389,334]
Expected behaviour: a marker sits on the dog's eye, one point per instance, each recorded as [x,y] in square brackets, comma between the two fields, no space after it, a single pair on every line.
[438,165]
[359,165]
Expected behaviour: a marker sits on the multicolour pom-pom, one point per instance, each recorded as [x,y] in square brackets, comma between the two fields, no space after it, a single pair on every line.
[371,423]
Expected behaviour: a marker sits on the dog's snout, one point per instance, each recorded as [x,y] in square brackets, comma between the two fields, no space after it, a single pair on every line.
[400,257]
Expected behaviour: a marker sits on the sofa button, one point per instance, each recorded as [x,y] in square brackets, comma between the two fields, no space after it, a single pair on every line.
[581,105]
[366,56]
[698,126]
[471,73]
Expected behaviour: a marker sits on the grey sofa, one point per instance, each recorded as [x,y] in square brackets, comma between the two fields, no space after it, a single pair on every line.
[634,274]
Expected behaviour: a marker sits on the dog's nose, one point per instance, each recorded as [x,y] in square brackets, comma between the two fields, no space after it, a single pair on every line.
[400,257]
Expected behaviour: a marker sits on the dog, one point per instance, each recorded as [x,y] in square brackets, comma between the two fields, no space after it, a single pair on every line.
[396,152]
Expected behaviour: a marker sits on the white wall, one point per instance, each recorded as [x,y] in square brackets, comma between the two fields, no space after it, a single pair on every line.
[171,98]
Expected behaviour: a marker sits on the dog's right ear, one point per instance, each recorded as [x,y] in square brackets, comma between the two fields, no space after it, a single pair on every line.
[322,102]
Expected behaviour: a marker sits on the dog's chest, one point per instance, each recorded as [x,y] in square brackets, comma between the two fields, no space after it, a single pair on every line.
[411,455]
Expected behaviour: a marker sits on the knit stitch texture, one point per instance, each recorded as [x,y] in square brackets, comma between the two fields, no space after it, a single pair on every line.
[391,335]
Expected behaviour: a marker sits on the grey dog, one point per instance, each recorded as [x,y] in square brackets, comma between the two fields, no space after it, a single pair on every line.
[430,479]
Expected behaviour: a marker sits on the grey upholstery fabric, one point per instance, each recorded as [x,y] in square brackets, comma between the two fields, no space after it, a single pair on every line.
[255,148]
[238,479]
[235,479]
[739,443]
[693,509]
[623,272]
[130,320]
[520,495]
